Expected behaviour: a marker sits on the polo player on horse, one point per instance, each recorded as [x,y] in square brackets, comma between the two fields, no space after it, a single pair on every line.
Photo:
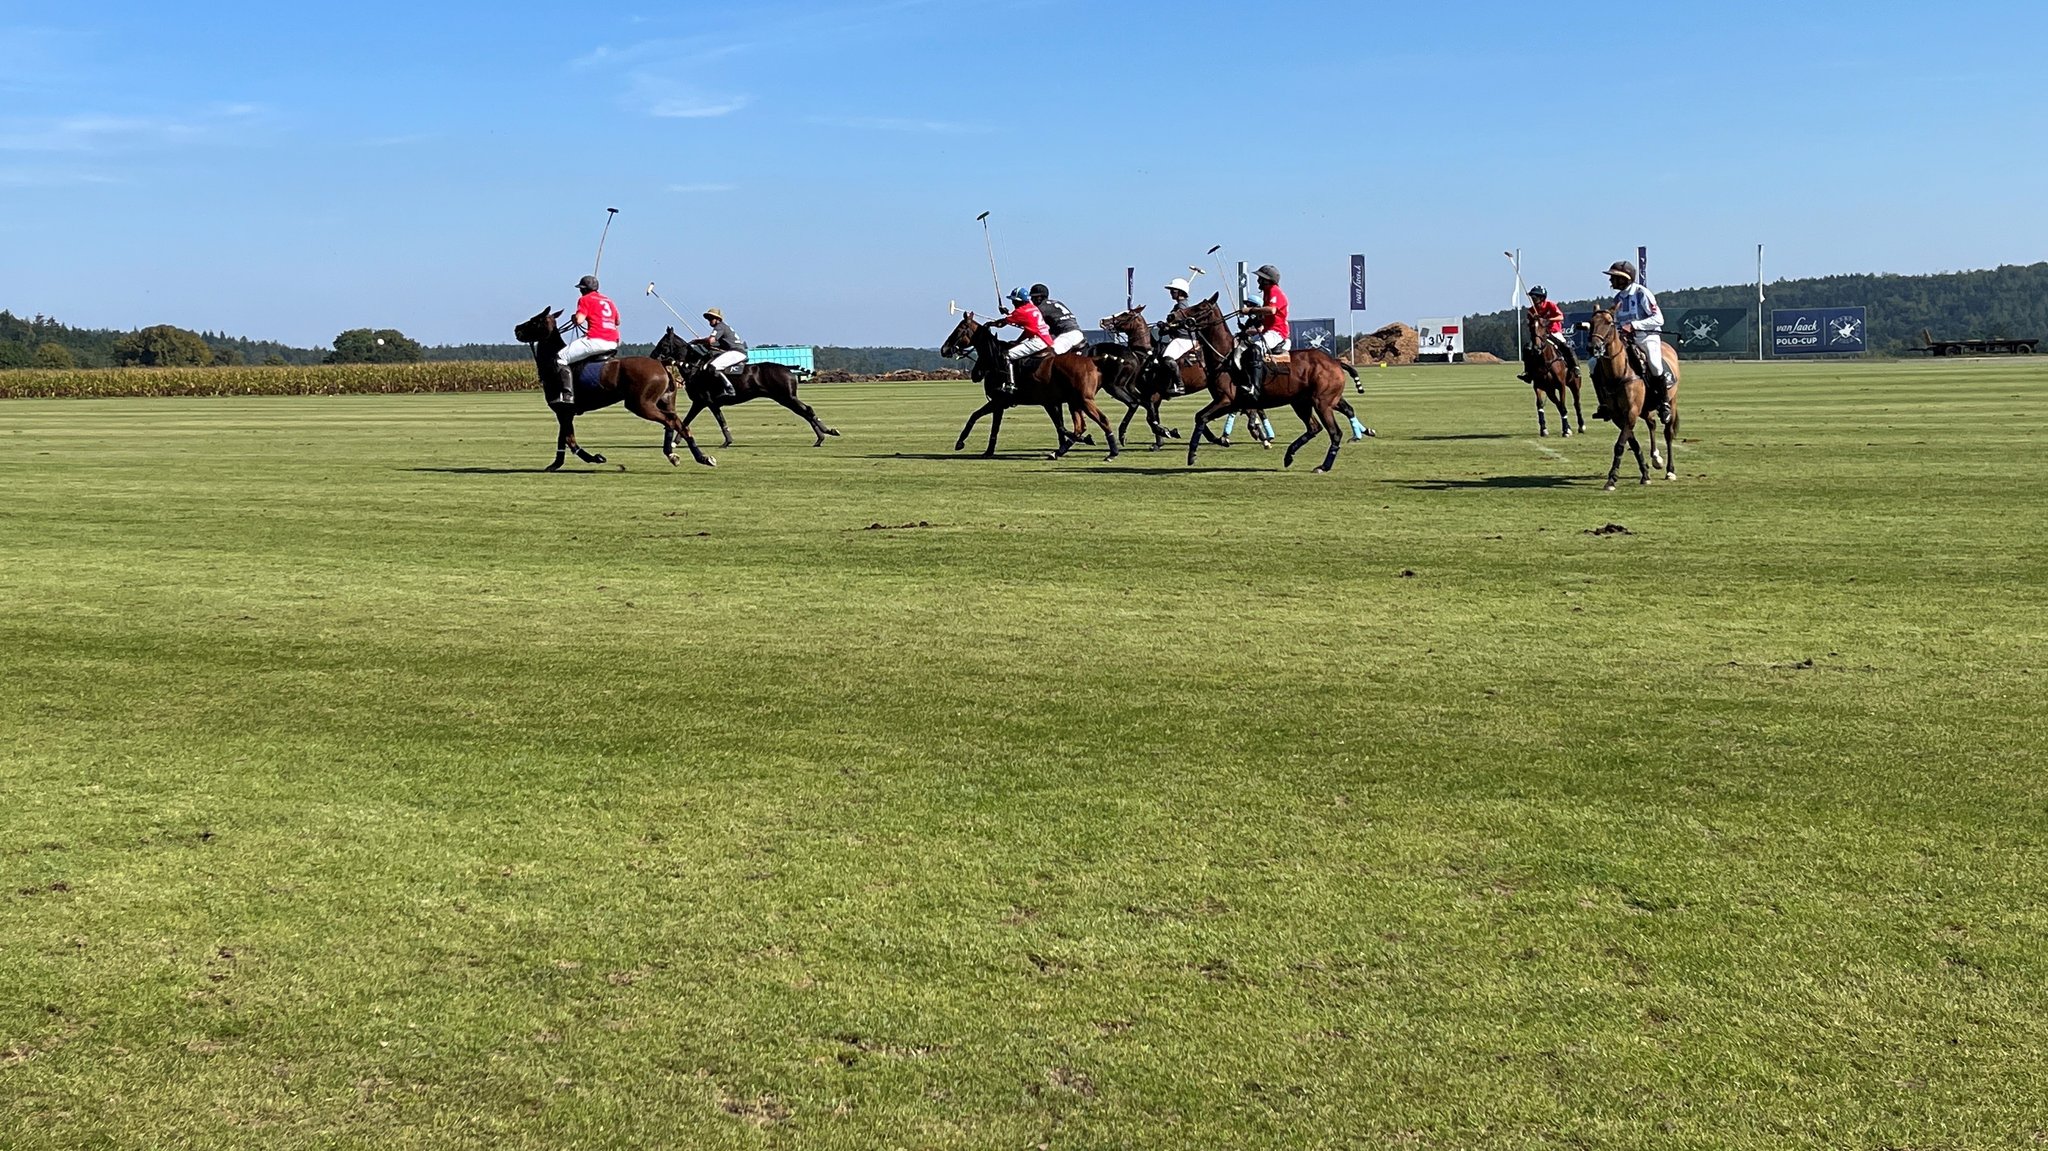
[1550,318]
[1635,309]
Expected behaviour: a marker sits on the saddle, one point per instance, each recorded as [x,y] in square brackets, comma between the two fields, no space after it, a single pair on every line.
[590,372]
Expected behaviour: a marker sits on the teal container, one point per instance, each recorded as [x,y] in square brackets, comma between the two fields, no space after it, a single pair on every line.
[799,358]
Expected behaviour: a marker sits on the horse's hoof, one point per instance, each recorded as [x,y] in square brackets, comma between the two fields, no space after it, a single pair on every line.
[1543,432]
[961,446]
[710,462]
[598,459]
[1609,487]
[1319,472]
[553,467]
[674,460]
[1670,475]
[1288,462]
[831,432]
[1224,442]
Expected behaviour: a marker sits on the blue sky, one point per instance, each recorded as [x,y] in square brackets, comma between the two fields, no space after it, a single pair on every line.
[815,166]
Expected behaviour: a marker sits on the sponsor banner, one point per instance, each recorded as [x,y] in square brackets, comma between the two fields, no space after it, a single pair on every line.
[1818,331]
[1703,331]
[1318,334]
[1358,283]
[1643,266]
[1442,338]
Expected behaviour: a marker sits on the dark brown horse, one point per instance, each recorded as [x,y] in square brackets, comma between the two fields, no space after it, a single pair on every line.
[692,364]
[639,382]
[1622,391]
[1311,382]
[1051,382]
[1551,374]
[1154,381]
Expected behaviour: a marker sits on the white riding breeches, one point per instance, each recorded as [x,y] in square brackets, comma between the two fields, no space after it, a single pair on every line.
[1651,344]
[1028,346]
[1067,341]
[1274,341]
[1177,347]
[582,348]
[724,360]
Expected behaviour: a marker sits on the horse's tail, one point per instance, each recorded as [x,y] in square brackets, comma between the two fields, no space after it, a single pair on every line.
[1348,370]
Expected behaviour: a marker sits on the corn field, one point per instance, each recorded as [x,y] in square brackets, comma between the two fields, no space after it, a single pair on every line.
[324,379]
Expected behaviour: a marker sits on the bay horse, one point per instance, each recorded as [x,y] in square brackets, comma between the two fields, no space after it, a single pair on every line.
[1621,391]
[639,382]
[1551,374]
[1053,382]
[1310,381]
[692,372]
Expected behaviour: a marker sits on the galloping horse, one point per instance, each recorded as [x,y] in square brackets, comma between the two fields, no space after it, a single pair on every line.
[1154,381]
[1052,383]
[1621,390]
[1553,374]
[1311,382]
[692,372]
[641,383]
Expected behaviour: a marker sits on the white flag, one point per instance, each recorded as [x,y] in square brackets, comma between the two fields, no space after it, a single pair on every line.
[1515,301]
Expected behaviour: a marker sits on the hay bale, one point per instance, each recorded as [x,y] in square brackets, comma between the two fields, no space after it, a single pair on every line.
[1483,358]
[1396,344]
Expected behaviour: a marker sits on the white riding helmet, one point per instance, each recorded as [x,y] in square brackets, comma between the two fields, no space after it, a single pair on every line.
[1177,284]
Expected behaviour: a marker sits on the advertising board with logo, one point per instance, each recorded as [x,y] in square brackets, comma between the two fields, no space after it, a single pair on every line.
[1443,339]
[1318,334]
[1706,331]
[1819,332]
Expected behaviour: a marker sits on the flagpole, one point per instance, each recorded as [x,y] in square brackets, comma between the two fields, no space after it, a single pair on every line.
[1515,258]
[1759,303]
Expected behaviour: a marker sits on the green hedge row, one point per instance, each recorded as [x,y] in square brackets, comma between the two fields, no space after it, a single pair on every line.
[324,379]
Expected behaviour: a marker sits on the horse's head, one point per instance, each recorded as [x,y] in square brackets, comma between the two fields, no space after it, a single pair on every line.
[1130,323]
[672,348]
[963,339]
[545,323]
[1202,314]
[1606,335]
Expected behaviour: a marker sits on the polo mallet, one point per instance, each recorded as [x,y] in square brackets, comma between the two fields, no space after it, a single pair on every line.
[671,309]
[602,237]
[993,277]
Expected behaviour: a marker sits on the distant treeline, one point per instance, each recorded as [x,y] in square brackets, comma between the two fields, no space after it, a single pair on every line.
[2009,301]
[1995,303]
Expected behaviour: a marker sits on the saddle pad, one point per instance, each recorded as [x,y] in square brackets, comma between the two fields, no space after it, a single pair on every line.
[590,373]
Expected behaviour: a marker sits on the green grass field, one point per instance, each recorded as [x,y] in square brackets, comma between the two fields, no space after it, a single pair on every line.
[364,788]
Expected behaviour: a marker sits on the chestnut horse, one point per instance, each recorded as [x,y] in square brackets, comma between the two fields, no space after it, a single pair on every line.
[1052,382]
[1622,391]
[639,382]
[1551,375]
[1311,382]
[692,364]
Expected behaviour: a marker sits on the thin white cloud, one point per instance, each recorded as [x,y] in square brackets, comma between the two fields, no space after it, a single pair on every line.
[101,133]
[32,177]
[903,124]
[667,97]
